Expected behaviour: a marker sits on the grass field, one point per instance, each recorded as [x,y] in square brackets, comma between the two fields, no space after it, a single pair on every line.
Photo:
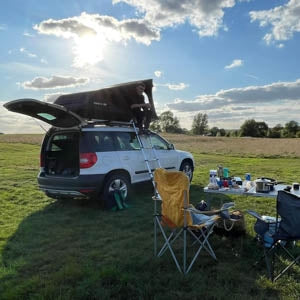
[74,250]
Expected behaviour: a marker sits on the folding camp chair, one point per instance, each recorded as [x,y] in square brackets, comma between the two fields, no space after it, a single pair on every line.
[177,218]
[276,236]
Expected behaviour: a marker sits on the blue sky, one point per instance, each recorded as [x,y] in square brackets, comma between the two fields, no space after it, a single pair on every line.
[231,59]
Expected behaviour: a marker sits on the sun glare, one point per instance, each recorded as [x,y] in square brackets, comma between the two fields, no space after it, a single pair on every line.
[88,50]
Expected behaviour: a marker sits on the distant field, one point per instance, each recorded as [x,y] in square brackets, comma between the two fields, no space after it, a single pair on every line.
[250,147]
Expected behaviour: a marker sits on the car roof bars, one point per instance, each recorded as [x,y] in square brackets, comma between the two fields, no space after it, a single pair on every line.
[93,122]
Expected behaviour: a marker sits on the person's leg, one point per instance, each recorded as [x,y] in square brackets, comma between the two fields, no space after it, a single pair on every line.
[147,117]
[138,114]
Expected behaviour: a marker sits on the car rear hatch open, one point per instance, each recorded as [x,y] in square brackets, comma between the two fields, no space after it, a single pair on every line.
[53,114]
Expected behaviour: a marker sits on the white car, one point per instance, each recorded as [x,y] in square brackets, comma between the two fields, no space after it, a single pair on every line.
[81,159]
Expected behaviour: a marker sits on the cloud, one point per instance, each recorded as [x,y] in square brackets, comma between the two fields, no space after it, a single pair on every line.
[2,27]
[284,21]
[251,95]
[270,103]
[173,86]
[90,32]
[17,123]
[50,98]
[205,15]
[28,34]
[54,82]
[235,63]
[157,73]
[29,54]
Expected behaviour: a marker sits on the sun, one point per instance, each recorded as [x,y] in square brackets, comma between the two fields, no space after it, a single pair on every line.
[88,50]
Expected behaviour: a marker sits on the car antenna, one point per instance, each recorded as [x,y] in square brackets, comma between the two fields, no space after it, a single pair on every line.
[39,124]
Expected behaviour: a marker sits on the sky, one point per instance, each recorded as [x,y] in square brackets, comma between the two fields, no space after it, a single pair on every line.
[231,59]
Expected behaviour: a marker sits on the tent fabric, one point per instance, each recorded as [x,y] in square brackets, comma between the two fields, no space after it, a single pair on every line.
[171,186]
[111,104]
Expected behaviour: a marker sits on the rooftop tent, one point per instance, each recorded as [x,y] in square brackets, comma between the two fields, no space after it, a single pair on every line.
[112,103]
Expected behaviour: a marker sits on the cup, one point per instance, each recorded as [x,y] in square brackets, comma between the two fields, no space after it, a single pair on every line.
[225,172]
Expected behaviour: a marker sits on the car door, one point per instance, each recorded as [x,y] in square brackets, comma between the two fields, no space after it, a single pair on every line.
[131,156]
[53,114]
[164,151]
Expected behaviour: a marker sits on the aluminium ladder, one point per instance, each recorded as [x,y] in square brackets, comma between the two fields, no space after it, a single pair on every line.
[146,158]
[150,172]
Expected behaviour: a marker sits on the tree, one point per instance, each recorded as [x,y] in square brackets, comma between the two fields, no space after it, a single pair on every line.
[222,132]
[262,129]
[199,125]
[290,129]
[214,131]
[275,132]
[155,125]
[254,129]
[169,123]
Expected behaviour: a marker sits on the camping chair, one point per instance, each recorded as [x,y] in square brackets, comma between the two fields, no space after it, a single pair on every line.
[177,218]
[279,234]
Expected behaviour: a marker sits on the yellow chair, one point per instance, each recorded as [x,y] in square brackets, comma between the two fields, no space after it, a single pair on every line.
[176,217]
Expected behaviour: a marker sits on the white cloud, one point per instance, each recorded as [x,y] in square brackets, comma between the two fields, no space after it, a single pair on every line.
[29,54]
[2,27]
[28,34]
[173,86]
[16,123]
[90,33]
[158,73]
[54,82]
[51,97]
[235,63]
[205,15]
[284,21]
[270,103]
[44,61]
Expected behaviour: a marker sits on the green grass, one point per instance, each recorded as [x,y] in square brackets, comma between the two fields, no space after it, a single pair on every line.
[74,250]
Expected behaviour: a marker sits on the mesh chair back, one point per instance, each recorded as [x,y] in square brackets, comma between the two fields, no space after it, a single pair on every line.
[288,208]
[171,186]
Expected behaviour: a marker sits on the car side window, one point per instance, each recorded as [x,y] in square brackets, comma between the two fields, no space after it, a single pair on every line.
[158,143]
[97,142]
[126,141]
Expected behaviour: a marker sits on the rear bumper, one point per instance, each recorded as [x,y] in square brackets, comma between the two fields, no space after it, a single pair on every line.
[82,186]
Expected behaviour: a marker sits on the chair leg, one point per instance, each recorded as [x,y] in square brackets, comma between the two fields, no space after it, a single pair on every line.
[287,268]
[168,245]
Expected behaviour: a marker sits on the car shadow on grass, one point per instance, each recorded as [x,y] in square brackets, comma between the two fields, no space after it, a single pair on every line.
[74,250]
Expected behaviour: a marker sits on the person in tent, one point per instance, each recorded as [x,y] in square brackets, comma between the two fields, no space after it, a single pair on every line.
[141,110]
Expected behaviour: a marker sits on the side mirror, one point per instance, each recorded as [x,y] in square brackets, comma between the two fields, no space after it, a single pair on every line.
[171,147]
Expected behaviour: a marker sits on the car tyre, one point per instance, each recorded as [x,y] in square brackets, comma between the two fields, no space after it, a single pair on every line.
[187,168]
[114,182]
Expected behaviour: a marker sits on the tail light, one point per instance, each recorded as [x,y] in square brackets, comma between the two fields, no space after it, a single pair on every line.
[87,160]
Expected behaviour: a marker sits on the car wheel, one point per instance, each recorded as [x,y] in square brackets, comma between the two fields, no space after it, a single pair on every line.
[187,168]
[116,182]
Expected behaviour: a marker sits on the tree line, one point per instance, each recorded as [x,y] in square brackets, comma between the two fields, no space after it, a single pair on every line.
[167,122]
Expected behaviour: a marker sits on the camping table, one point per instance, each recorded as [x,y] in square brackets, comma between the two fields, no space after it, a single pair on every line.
[251,192]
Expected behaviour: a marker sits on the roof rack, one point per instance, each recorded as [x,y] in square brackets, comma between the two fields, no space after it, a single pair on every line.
[92,122]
